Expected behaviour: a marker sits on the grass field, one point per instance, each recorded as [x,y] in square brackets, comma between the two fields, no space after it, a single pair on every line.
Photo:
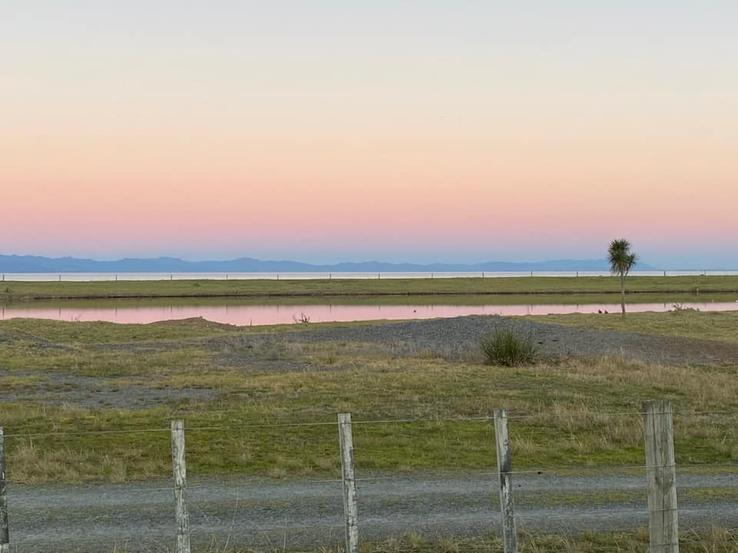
[356,287]
[60,381]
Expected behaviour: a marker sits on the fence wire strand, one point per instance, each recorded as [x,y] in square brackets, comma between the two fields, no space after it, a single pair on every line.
[360,422]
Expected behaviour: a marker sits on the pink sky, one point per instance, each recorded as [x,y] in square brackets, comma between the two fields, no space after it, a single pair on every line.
[446,135]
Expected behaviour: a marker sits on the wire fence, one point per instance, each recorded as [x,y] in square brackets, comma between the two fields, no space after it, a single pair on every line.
[236,509]
[332,423]
[327,275]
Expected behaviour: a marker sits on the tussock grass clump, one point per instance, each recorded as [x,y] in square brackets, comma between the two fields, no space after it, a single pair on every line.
[509,349]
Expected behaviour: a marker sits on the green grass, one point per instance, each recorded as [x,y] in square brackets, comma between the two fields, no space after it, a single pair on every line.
[357,287]
[569,408]
[716,540]
[720,326]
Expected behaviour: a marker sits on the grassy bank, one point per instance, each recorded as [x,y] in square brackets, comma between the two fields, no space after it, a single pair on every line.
[10,291]
[86,401]
[686,323]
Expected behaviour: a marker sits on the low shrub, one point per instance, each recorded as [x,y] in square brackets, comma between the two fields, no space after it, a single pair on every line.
[505,347]
[679,308]
[302,319]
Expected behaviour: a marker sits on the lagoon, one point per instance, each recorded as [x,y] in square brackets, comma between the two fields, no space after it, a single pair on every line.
[291,311]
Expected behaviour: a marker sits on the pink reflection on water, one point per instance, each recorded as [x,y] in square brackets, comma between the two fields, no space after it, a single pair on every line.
[258,315]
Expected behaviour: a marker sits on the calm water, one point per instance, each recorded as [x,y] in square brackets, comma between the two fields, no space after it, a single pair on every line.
[66,277]
[267,314]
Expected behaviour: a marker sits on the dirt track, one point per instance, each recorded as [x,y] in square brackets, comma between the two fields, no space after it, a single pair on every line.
[303,514]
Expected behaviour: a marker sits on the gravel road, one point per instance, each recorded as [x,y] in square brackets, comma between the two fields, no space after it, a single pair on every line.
[269,514]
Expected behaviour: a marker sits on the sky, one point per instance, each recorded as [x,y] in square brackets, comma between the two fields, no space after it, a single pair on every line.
[326,130]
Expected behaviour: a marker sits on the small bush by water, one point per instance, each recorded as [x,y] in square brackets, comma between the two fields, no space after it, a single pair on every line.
[505,347]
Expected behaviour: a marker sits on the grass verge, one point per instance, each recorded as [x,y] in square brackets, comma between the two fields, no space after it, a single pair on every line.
[16,290]
[714,540]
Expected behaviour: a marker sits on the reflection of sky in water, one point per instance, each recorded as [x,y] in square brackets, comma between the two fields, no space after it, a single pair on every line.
[280,314]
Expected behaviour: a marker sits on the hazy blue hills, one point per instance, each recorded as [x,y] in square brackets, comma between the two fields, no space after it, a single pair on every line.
[37,264]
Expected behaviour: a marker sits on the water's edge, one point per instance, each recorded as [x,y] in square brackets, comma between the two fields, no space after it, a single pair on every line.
[257,314]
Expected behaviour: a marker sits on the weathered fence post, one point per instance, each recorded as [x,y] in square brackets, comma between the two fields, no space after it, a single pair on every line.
[4,533]
[504,468]
[350,511]
[179,468]
[663,516]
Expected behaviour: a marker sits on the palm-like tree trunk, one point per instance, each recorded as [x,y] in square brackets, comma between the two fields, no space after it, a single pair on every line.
[621,261]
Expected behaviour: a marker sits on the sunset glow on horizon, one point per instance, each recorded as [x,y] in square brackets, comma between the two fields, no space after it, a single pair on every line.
[402,131]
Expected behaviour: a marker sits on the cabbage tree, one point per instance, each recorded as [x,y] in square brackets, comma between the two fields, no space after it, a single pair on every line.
[621,260]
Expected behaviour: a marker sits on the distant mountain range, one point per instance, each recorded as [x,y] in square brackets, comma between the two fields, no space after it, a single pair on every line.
[36,264]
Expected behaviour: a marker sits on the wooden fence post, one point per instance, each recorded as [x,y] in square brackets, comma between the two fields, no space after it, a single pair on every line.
[504,469]
[350,510]
[663,515]
[4,533]
[179,468]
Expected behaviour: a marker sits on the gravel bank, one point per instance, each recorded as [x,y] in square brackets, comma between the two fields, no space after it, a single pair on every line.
[459,337]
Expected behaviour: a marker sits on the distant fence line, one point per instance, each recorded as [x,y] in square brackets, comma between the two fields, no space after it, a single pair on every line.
[134,276]
[660,468]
